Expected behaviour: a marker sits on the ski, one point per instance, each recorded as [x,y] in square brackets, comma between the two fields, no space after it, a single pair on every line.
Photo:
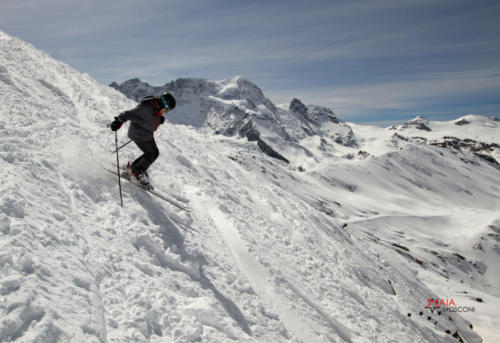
[152,191]
[176,196]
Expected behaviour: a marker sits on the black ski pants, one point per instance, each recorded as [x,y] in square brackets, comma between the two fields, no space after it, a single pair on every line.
[150,154]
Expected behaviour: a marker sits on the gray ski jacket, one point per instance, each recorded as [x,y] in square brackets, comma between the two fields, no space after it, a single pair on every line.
[143,121]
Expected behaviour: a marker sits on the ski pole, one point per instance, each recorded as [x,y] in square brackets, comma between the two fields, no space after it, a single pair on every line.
[122,146]
[118,168]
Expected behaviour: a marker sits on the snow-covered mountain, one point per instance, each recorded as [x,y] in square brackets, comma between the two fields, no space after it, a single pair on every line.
[479,136]
[345,243]
[237,107]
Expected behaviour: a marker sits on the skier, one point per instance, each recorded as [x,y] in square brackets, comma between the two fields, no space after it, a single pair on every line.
[145,119]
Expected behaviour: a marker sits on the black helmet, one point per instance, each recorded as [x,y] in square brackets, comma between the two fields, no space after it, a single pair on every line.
[168,101]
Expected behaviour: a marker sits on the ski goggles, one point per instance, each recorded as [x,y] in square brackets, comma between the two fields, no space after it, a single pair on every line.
[165,104]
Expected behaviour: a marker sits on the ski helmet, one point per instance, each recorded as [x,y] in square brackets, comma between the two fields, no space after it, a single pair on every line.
[168,101]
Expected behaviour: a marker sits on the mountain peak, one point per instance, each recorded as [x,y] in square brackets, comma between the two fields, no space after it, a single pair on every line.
[298,107]
[419,119]
[419,123]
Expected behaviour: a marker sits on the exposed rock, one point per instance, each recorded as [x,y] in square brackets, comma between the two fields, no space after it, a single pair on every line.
[321,121]
[270,151]
[419,123]
[249,131]
[320,114]
[488,158]
[480,149]
[135,89]
[397,138]
[298,107]
[462,122]
[363,154]
[469,144]
[346,137]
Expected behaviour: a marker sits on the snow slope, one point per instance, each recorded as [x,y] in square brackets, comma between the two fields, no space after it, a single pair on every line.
[335,246]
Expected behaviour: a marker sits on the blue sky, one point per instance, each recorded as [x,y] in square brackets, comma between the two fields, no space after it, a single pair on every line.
[367,60]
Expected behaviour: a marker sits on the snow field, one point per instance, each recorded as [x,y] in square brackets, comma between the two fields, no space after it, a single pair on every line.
[276,203]
[269,253]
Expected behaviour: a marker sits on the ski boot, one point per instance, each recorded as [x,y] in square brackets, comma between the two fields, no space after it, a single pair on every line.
[142,177]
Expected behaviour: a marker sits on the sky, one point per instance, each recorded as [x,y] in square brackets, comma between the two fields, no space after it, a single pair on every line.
[368,60]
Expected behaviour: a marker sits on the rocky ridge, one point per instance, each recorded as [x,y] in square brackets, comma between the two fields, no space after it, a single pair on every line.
[489,151]
[238,107]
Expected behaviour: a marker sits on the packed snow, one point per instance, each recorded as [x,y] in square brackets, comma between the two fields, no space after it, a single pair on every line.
[345,242]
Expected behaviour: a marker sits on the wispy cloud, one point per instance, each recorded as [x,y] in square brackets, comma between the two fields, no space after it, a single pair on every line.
[408,97]
[359,57]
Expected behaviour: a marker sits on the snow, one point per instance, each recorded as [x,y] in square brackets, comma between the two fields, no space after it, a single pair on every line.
[478,128]
[336,246]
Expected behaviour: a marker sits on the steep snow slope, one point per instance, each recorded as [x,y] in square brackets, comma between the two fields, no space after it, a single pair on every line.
[269,253]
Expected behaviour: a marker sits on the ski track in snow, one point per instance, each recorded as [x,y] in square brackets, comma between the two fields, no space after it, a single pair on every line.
[259,278]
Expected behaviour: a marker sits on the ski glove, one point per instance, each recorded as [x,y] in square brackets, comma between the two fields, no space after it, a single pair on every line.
[116,124]
[162,120]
